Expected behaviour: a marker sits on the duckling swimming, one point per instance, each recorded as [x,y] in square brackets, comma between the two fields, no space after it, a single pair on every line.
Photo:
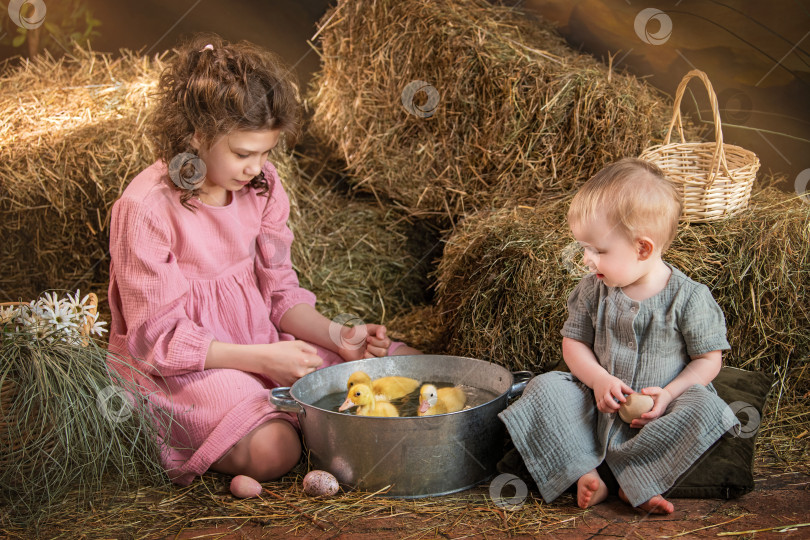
[441,401]
[360,396]
[388,388]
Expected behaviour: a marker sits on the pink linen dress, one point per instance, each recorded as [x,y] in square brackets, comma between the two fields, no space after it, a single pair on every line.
[180,279]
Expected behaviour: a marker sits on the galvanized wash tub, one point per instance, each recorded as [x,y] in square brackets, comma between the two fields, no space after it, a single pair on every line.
[415,456]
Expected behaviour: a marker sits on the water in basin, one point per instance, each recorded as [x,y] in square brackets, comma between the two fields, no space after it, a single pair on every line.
[408,405]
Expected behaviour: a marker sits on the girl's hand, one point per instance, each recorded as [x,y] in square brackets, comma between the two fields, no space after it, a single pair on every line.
[608,389]
[287,361]
[363,341]
[661,397]
[352,344]
[377,342]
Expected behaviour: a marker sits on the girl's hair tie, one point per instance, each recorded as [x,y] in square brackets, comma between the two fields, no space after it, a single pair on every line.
[208,47]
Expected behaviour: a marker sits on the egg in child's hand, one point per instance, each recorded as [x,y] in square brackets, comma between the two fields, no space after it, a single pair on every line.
[245,487]
[320,483]
[635,406]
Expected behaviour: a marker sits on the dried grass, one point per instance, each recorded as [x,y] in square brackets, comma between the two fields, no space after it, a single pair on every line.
[171,510]
[74,136]
[502,287]
[421,327]
[504,279]
[519,113]
[69,424]
[356,256]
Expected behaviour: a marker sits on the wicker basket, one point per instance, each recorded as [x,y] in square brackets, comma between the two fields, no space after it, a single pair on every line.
[715,179]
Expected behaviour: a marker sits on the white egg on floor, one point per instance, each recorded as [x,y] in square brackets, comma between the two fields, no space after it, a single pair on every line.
[320,484]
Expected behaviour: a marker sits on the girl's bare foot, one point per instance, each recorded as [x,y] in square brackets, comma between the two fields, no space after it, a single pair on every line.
[656,505]
[591,489]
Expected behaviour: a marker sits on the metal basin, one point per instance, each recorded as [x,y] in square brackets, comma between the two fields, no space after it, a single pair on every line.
[411,456]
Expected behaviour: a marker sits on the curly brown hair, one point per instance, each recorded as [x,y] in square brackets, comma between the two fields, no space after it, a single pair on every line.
[212,91]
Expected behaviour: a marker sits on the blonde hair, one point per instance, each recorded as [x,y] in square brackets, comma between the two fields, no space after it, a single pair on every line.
[634,196]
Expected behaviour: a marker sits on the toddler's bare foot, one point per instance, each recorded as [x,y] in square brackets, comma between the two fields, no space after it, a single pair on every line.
[591,489]
[656,505]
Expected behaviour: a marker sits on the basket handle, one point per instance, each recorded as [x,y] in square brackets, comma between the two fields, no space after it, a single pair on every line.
[719,158]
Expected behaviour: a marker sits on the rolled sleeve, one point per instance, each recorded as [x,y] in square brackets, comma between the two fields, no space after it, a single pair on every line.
[148,292]
[703,324]
[277,279]
[579,325]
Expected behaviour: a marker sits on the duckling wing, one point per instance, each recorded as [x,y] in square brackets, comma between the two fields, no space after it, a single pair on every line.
[386,409]
[381,408]
[394,387]
[453,398]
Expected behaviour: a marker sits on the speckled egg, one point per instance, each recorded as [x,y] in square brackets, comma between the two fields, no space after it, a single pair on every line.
[320,484]
[245,487]
[635,406]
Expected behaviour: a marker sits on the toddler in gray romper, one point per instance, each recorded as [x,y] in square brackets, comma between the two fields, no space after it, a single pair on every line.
[558,428]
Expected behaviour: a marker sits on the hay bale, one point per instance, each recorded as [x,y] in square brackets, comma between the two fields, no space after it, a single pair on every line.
[503,283]
[420,327]
[75,136]
[502,286]
[519,112]
[357,257]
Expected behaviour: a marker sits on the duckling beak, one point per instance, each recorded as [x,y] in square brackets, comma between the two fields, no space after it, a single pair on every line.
[348,404]
[424,405]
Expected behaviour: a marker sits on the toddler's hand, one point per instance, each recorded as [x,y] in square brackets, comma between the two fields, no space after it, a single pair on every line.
[607,390]
[661,397]
[287,361]
[377,342]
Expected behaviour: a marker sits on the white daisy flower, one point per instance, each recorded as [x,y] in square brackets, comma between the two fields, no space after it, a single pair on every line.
[27,321]
[60,317]
[98,326]
[78,307]
[33,308]
[49,300]
[43,332]
[8,314]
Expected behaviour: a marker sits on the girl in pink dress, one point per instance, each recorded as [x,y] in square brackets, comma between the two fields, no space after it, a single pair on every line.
[202,290]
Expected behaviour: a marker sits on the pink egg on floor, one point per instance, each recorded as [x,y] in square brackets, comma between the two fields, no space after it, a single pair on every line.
[245,487]
[320,483]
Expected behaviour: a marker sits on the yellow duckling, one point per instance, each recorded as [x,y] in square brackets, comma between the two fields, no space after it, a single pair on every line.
[385,387]
[443,400]
[360,395]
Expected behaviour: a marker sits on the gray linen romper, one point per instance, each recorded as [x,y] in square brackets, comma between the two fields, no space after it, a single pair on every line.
[561,434]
